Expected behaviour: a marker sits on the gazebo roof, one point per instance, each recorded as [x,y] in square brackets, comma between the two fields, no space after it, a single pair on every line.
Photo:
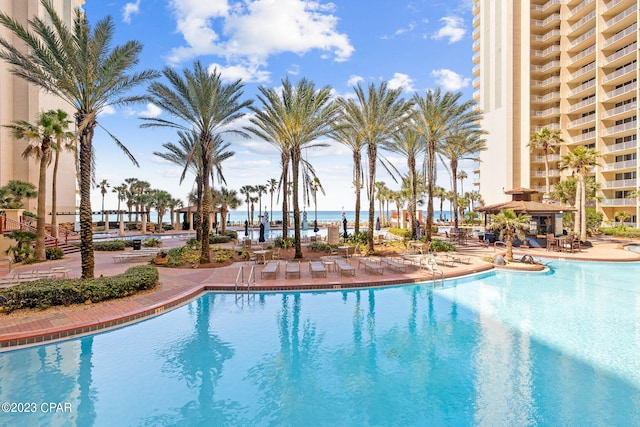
[521,190]
[526,207]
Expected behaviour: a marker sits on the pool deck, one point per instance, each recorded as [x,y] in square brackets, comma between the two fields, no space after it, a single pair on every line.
[178,286]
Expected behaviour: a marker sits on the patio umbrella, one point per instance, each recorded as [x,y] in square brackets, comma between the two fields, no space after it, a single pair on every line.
[261,238]
[246,227]
[418,230]
[344,227]
[378,224]
[315,226]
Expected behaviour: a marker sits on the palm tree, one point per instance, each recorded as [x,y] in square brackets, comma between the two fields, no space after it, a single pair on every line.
[44,133]
[247,191]
[548,141]
[510,225]
[380,188]
[173,205]
[409,144]
[79,65]
[131,195]
[253,200]
[463,145]
[15,191]
[260,189]
[103,185]
[581,160]
[228,199]
[436,117]
[461,175]
[292,120]
[61,135]
[440,193]
[316,186]
[272,185]
[205,106]
[160,200]
[355,142]
[121,191]
[376,115]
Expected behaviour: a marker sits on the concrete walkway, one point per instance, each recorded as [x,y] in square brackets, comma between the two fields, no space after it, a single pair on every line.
[178,286]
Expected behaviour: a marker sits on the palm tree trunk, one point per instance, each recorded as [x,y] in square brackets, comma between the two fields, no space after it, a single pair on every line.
[42,193]
[295,159]
[583,210]
[356,168]
[413,196]
[285,197]
[205,256]
[86,233]
[431,171]
[577,227]
[223,217]
[54,194]
[373,155]
[454,172]
[546,176]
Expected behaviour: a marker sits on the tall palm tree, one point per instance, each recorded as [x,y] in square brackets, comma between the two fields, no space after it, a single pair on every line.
[206,106]
[80,66]
[247,191]
[461,145]
[510,225]
[316,186]
[409,144]
[547,140]
[292,119]
[121,194]
[581,160]
[351,138]
[173,205]
[260,189]
[440,193]
[272,185]
[227,199]
[160,200]
[437,114]
[376,115]
[43,133]
[461,175]
[380,188]
[103,185]
[64,140]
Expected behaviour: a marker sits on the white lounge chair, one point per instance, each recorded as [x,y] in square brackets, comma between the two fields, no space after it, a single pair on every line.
[344,268]
[395,265]
[292,269]
[270,270]
[371,266]
[317,269]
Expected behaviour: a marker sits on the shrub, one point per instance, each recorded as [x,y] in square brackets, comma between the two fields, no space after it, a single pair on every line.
[23,250]
[283,243]
[193,243]
[219,238]
[54,253]
[48,293]
[111,245]
[182,255]
[319,246]
[405,234]
[438,245]
[621,232]
[151,242]
[362,237]
[232,234]
[222,255]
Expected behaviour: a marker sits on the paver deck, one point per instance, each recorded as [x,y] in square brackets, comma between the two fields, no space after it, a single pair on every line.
[178,286]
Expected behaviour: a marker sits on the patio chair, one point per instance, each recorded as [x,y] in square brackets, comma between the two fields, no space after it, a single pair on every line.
[317,269]
[270,270]
[344,267]
[292,269]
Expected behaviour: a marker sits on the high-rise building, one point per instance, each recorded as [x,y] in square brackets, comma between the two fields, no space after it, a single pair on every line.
[563,64]
[20,100]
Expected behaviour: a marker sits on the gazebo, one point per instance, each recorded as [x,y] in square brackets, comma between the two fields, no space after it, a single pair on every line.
[546,218]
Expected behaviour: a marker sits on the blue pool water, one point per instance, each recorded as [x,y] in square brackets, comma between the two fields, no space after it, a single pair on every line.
[499,349]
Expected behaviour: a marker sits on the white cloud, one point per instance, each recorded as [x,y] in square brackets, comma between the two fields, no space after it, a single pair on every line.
[294,70]
[453,29]
[408,29]
[248,32]
[354,80]
[450,80]
[130,9]
[248,73]
[403,81]
[151,111]
[107,111]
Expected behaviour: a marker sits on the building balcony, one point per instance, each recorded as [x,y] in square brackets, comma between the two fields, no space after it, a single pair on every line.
[476,83]
[476,58]
[625,17]
[620,75]
[551,19]
[621,36]
[540,159]
[610,7]
[542,174]
[579,91]
[585,20]
[544,53]
[476,21]
[583,40]
[621,56]
[583,137]
[546,98]
[587,53]
[582,121]
[547,7]
[551,81]
[617,166]
[545,38]
[619,202]
[619,183]
[583,72]
[476,70]
[619,148]
[613,130]
[576,11]
[624,90]
[546,113]
[612,113]
[546,67]
[582,105]
[553,126]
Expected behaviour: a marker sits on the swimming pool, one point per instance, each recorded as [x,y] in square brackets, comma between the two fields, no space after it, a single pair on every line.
[496,349]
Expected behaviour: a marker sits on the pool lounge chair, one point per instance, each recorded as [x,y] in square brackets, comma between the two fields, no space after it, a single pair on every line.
[317,269]
[270,270]
[344,268]
[371,266]
[395,265]
[292,269]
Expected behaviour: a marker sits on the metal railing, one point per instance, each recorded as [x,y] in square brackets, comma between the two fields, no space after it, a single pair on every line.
[240,282]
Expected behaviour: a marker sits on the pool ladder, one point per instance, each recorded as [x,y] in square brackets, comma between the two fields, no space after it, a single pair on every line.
[251,279]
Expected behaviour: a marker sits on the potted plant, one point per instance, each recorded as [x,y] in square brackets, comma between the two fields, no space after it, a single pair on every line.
[162,257]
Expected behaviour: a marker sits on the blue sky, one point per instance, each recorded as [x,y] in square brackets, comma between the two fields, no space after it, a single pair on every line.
[416,45]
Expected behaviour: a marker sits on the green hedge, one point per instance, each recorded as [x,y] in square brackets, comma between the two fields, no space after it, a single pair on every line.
[219,238]
[111,245]
[48,293]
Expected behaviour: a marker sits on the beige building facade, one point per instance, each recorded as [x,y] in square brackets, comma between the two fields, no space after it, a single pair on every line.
[22,101]
[570,65]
